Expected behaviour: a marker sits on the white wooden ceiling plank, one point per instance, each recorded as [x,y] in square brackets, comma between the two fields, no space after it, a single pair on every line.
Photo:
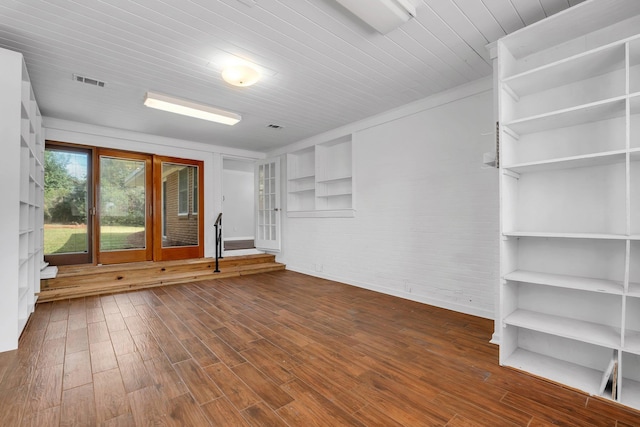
[478,14]
[529,11]
[552,7]
[458,22]
[102,43]
[432,45]
[270,26]
[429,19]
[324,67]
[295,98]
[385,57]
[348,92]
[505,14]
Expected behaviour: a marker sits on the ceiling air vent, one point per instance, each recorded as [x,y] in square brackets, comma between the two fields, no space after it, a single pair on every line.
[274,126]
[88,80]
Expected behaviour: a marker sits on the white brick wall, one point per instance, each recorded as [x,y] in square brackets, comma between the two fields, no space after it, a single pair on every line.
[426,226]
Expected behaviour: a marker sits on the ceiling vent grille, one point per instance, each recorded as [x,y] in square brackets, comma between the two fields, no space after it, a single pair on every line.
[88,80]
[274,126]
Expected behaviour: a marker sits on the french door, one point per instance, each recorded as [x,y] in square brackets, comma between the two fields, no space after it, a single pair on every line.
[109,206]
[178,225]
[267,178]
[124,211]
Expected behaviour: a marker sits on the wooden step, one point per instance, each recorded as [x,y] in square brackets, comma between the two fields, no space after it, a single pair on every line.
[81,281]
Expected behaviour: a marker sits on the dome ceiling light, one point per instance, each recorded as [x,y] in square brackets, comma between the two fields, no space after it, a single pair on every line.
[240,75]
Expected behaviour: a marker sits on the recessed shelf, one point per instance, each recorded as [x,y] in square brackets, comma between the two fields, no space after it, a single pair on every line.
[601,236]
[564,327]
[306,190]
[568,282]
[301,178]
[336,194]
[632,342]
[568,70]
[334,180]
[589,160]
[572,374]
[591,112]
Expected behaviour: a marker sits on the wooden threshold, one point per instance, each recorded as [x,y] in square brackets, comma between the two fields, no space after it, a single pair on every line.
[86,280]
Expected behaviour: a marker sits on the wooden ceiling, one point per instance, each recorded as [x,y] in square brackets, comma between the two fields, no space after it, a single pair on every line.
[322,67]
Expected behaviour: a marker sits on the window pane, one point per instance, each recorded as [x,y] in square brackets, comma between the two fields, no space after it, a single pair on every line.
[122,204]
[65,201]
[180,224]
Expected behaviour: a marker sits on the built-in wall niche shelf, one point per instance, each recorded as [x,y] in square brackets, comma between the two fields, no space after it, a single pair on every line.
[587,160]
[320,180]
[569,135]
[572,374]
[587,113]
[568,282]
[588,332]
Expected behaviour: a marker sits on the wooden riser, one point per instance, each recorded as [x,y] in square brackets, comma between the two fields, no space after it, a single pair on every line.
[75,275]
[130,277]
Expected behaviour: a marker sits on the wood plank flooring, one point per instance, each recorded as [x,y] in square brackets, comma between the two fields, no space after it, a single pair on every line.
[275,349]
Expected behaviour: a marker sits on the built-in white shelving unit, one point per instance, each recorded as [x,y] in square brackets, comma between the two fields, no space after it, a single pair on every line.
[569,114]
[22,170]
[320,180]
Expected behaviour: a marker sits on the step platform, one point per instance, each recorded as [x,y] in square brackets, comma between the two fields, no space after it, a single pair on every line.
[74,281]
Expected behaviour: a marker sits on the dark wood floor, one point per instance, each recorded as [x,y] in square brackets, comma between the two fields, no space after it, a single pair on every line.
[268,350]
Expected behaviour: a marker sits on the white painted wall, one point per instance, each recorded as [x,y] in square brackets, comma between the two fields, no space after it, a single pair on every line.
[211,155]
[426,226]
[238,205]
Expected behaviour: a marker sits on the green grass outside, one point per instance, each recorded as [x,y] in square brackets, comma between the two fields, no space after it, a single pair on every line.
[60,239]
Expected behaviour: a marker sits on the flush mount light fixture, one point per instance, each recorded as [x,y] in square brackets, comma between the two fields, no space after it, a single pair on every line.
[383,15]
[189,108]
[240,75]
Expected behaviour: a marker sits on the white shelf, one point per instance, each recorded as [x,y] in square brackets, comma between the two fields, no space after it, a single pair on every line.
[588,160]
[306,190]
[329,213]
[335,195]
[591,112]
[302,178]
[568,70]
[568,282]
[634,290]
[630,394]
[564,327]
[320,181]
[334,180]
[632,342]
[569,197]
[600,236]
[573,375]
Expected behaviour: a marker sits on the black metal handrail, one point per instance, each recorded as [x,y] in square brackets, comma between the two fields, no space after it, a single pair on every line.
[218,226]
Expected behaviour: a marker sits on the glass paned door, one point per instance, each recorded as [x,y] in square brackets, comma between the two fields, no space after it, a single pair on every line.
[67,200]
[268,204]
[124,207]
[179,228]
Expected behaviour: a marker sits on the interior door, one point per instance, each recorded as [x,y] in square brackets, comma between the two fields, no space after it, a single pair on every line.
[268,204]
[124,207]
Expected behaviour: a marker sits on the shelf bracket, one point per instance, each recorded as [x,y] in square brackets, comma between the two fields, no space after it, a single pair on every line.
[511,93]
[511,174]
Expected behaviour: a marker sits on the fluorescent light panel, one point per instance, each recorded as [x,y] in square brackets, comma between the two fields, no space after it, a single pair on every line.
[191,109]
[383,15]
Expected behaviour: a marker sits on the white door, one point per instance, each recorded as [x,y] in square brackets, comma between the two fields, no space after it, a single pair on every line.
[268,204]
